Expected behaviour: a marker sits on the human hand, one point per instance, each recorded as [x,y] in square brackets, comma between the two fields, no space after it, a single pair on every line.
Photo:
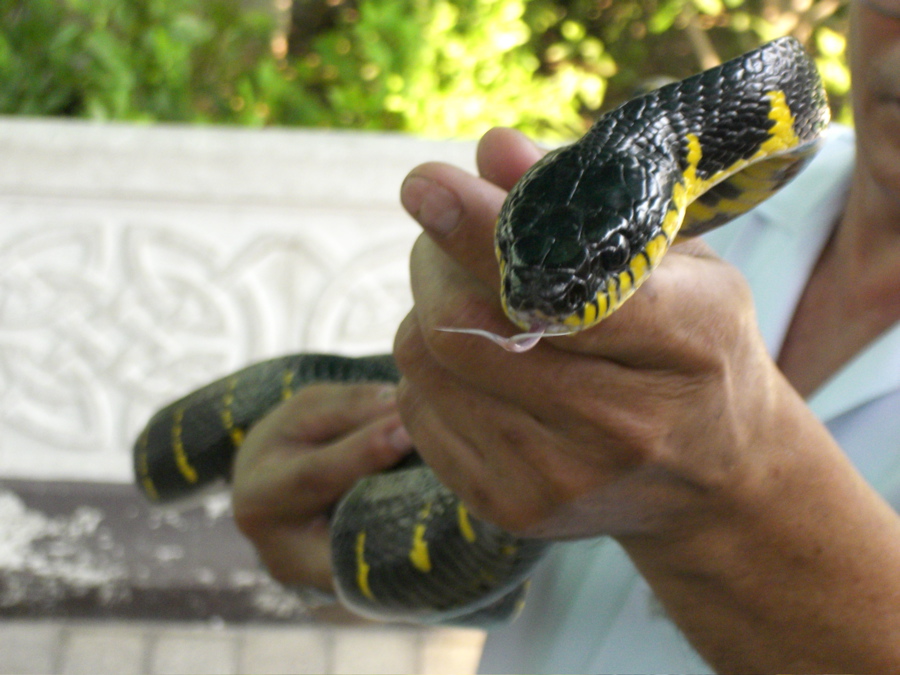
[299,460]
[640,425]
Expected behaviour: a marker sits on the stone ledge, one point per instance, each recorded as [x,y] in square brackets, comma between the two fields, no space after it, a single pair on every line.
[97,550]
[305,168]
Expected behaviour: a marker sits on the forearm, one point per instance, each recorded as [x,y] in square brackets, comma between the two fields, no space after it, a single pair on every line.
[798,572]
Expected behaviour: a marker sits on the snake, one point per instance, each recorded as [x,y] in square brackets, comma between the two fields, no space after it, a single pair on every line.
[576,236]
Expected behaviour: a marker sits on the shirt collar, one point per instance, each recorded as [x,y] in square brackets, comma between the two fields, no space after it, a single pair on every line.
[872,373]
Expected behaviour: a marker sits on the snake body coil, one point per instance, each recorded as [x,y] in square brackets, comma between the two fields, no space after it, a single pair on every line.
[576,237]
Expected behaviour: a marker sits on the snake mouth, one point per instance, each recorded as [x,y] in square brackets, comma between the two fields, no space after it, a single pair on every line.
[541,310]
[549,325]
[534,295]
[582,304]
[592,302]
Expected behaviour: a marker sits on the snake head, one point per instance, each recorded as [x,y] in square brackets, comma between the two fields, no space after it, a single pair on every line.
[573,233]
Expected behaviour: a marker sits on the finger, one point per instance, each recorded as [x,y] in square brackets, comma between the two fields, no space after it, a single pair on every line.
[486,449]
[458,211]
[544,381]
[447,295]
[442,415]
[668,324]
[321,412]
[284,489]
[693,246]
[687,311]
[328,473]
[291,480]
[503,155]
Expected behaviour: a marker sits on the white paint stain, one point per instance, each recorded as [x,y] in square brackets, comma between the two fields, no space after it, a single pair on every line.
[53,551]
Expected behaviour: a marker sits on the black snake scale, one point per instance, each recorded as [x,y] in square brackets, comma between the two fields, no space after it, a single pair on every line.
[577,235]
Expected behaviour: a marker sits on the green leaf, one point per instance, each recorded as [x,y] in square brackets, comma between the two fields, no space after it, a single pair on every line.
[710,7]
[665,16]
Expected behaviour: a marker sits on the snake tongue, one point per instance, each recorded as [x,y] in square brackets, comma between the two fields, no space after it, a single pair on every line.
[516,344]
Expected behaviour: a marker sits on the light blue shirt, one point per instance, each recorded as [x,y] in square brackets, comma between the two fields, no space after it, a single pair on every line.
[588,609]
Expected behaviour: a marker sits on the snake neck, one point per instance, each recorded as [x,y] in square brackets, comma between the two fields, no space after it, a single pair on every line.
[586,225]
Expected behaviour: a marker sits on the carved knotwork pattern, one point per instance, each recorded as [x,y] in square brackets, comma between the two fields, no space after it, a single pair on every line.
[102,319]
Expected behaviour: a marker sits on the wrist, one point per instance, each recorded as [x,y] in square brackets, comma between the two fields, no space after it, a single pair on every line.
[783,560]
[751,486]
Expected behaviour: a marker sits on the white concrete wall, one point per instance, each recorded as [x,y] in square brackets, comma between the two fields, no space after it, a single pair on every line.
[137,262]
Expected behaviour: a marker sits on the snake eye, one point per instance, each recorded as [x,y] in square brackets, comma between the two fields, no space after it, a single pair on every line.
[616,252]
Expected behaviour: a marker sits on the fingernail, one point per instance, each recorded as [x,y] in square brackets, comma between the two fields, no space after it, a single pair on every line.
[435,207]
[399,439]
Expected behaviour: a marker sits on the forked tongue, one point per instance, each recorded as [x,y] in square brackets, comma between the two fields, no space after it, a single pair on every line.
[517,343]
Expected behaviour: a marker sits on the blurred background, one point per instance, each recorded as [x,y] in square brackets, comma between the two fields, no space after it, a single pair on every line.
[439,68]
[189,186]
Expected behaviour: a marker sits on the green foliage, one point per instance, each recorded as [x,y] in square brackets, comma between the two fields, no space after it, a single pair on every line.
[452,69]
[172,60]
[434,67]
[676,38]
